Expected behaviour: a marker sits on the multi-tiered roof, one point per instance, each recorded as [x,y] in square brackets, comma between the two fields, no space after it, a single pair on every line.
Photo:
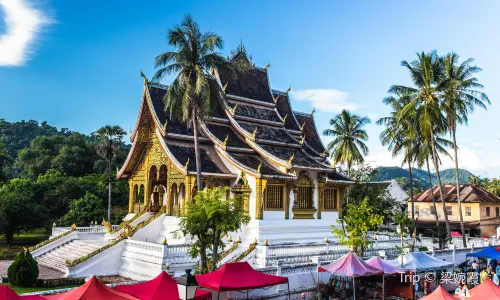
[253,128]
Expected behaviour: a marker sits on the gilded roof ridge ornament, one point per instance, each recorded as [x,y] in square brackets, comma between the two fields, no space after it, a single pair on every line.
[302,140]
[294,173]
[233,110]
[291,158]
[225,140]
[130,132]
[275,100]
[288,90]
[312,113]
[284,119]
[267,67]
[165,125]
[303,125]
[325,154]
[224,87]
[186,165]
[258,168]
[254,133]
[144,77]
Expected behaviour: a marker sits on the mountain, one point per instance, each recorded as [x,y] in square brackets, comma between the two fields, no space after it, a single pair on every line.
[420,177]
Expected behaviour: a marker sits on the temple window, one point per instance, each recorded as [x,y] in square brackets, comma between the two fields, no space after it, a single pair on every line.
[305,191]
[274,196]
[330,199]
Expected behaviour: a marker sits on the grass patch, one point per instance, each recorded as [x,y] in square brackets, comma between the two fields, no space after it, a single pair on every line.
[22,290]
[22,240]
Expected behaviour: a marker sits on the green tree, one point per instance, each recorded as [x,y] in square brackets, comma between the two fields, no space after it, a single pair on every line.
[84,210]
[23,272]
[190,97]
[360,218]
[474,180]
[19,208]
[5,161]
[110,137]
[406,227]
[208,218]
[460,97]
[348,145]
[425,105]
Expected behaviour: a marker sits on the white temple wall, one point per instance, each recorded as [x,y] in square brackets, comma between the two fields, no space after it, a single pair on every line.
[252,182]
[274,215]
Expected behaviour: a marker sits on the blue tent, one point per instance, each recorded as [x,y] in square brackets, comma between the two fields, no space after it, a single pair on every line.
[488,252]
[421,262]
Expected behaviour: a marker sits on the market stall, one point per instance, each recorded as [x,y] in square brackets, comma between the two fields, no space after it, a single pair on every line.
[489,252]
[92,289]
[6,293]
[388,268]
[350,266]
[238,276]
[440,294]
[486,290]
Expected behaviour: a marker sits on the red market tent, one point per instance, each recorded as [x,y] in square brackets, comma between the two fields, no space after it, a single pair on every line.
[350,265]
[238,276]
[202,295]
[92,289]
[162,287]
[456,234]
[486,290]
[439,294]
[388,268]
[6,293]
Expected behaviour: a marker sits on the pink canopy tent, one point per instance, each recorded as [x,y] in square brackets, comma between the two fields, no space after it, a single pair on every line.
[486,290]
[351,265]
[161,287]
[388,268]
[6,293]
[456,234]
[92,289]
[439,294]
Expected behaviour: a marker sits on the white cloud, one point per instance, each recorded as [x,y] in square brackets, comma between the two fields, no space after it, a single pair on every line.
[23,23]
[328,100]
[478,144]
[383,158]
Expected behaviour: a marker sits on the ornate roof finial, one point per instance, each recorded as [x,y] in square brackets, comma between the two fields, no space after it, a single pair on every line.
[303,139]
[258,168]
[294,173]
[312,113]
[267,66]
[186,165]
[254,133]
[165,125]
[302,127]
[324,154]
[225,141]
[291,158]
[130,132]
[284,119]
[117,170]
[288,90]
[224,87]
[275,100]
[233,110]
[144,76]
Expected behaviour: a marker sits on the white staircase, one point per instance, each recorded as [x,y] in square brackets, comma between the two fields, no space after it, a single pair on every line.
[169,225]
[56,258]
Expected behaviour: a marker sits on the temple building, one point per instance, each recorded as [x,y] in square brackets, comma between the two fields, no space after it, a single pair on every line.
[253,143]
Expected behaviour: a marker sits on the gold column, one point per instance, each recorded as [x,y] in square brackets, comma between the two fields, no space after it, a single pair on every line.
[243,191]
[259,205]
[288,189]
[169,200]
[131,196]
[321,198]
[188,196]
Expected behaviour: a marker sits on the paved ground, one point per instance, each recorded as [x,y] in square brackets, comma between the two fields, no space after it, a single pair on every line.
[45,273]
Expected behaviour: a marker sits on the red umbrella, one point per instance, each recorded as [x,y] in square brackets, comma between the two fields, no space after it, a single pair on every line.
[456,234]
[439,294]
[486,290]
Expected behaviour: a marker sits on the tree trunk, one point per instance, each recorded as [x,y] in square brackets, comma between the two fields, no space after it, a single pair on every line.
[197,151]
[9,237]
[411,194]
[458,188]
[433,199]
[109,192]
[436,168]
[215,249]
[203,258]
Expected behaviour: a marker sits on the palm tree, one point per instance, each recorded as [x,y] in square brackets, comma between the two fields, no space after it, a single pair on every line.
[425,104]
[460,95]
[474,180]
[191,96]
[348,145]
[110,137]
[494,187]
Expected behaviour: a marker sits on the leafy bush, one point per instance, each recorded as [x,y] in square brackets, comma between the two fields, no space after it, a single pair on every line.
[24,271]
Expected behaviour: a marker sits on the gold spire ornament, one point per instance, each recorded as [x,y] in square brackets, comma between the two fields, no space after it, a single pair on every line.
[258,168]
[255,242]
[164,242]
[266,243]
[238,240]
[284,119]
[225,141]
[144,77]
[302,140]
[288,90]
[294,173]
[186,165]
[233,110]
[224,87]
[165,125]
[267,66]
[229,239]
[54,224]
[254,133]
[275,100]
[312,113]
[291,158]
[326,239]
[302,127]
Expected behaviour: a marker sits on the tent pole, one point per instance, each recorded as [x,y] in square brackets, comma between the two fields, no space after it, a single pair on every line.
[354,286]
[218,295]
[247,294]
[383,286]
[288,283]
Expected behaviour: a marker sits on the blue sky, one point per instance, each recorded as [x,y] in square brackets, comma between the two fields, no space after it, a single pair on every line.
[76,64]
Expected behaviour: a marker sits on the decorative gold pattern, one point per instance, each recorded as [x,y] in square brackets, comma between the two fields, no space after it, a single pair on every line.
[233,110]
[275,100]
[254,133]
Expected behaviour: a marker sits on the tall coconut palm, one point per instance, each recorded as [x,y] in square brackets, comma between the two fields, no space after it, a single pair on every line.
[474,180]
[460,96]
[191,96]
[110,137]
[348,145]
[426,73]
